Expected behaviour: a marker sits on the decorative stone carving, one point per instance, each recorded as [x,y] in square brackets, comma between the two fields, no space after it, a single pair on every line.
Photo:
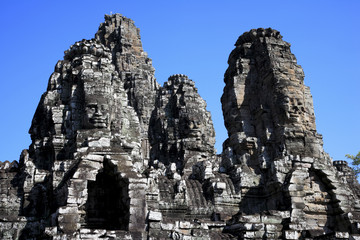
[181,132]
[134,67]
[274,155]
[116,156]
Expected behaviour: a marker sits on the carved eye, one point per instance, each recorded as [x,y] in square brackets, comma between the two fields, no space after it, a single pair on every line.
[91,107]
[104,107]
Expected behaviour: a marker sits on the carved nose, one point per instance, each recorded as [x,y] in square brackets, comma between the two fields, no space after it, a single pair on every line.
[98,112]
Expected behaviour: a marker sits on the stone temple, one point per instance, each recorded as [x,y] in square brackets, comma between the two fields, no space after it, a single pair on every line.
[114,155]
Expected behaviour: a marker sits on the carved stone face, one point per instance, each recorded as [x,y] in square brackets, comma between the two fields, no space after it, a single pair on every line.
[194,127]
[96,114]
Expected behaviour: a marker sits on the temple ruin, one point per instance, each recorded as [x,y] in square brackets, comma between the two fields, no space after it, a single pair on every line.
[114,155]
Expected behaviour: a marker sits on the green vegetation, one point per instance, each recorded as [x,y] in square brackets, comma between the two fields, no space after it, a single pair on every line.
[355,162]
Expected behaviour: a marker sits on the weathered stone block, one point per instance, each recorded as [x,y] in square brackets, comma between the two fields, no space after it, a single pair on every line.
[342,235]
[155,216]
[154,225]
[292,234]
[167,226]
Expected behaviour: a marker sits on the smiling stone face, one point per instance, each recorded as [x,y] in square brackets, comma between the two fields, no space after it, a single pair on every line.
[92,70]
[96,114]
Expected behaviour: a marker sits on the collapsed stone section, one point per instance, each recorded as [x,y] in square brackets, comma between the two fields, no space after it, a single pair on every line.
[181,132]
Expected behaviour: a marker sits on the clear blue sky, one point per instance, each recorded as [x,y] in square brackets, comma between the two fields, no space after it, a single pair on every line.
[189,37]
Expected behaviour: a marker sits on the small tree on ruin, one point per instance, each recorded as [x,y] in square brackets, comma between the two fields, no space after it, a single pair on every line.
[355,162]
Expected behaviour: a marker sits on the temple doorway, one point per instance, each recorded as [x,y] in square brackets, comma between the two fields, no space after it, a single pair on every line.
[108,201]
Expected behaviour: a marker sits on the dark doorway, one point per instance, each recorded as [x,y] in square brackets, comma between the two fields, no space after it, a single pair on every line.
[108,201]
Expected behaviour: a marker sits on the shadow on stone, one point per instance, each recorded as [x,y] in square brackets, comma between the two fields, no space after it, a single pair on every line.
[108,201]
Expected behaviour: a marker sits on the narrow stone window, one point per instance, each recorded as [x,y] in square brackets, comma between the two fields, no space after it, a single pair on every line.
[108,201]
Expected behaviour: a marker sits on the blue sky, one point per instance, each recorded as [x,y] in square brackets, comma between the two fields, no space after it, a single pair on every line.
[190,37]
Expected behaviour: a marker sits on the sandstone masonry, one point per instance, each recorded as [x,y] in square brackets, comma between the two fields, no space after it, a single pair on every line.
[114,155]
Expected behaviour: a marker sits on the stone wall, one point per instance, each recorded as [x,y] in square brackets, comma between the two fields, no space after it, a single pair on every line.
[116,156]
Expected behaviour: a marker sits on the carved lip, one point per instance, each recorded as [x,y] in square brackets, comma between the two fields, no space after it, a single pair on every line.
[98,121]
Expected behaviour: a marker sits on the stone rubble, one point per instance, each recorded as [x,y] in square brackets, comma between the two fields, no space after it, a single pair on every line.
[116,156]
